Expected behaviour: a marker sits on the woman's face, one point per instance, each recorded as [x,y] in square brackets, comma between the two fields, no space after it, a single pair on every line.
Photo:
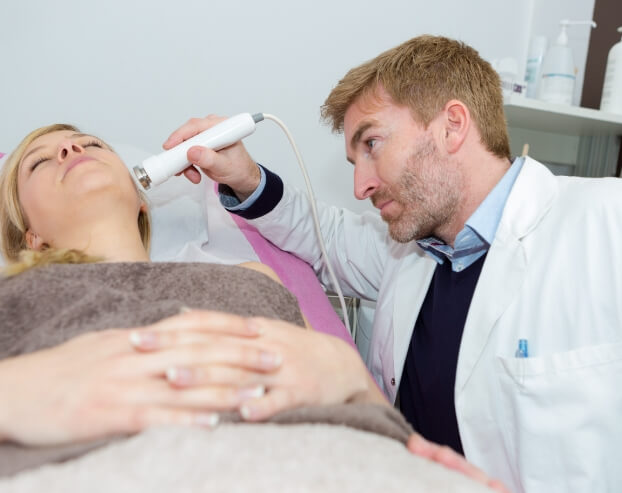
[68,181]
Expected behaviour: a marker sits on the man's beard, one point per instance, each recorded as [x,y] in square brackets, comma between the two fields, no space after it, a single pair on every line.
[427,191]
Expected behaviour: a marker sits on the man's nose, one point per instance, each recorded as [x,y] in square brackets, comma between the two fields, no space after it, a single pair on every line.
[366,181]
[68,147]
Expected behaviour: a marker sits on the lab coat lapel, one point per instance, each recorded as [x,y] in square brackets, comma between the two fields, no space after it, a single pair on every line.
[500,280]
[505,266]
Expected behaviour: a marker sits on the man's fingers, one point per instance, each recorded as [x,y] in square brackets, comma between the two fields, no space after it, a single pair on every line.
[190,129]
[497,485]
[192,174]
[445,456]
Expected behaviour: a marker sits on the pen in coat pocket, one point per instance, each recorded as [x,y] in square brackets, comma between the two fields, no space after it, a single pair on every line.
[522,351]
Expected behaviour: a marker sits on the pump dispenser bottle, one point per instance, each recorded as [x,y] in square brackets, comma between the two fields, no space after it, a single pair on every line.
[558,69]
[611,100]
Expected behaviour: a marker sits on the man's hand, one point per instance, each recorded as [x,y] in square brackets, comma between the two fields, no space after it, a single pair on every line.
[231,166]
[451,459]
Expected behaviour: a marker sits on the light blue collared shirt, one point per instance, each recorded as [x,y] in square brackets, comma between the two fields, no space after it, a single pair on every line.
[480,229]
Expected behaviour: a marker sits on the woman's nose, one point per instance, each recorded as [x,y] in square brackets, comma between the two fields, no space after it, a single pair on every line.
[68,147]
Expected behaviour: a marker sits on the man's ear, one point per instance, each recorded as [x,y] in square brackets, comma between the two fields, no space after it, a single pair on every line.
[457,122]
[34,241]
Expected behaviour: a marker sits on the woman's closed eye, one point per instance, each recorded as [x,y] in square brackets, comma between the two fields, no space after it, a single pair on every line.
[37,162]
[93,143]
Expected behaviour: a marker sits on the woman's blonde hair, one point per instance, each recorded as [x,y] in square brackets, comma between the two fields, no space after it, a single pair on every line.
[13,225]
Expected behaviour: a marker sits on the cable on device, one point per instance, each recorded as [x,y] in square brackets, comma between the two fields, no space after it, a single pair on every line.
[316,221]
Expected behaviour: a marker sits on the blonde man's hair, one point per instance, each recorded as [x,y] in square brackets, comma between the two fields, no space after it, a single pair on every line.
[423,74]
[13,225]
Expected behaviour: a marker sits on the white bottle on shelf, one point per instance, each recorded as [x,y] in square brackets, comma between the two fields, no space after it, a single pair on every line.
[558,69]
[537,49]
[611,100]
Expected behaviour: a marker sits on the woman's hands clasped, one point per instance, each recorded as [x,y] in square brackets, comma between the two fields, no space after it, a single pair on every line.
[181,370]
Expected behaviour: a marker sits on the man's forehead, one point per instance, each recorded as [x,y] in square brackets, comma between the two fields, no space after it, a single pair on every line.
[371,101]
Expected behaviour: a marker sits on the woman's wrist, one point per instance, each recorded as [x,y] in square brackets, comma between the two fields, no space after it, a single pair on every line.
[361,384]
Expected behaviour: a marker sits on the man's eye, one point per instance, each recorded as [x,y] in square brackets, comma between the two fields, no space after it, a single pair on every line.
[371,143]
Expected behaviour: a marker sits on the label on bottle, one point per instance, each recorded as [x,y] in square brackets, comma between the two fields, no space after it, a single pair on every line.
[557,88]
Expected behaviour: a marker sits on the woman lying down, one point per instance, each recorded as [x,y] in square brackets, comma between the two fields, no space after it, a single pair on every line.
[98,344]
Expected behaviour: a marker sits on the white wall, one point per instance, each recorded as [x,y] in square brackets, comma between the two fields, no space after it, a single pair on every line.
[131,71]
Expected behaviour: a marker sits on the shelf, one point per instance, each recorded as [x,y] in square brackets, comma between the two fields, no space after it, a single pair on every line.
[533,114]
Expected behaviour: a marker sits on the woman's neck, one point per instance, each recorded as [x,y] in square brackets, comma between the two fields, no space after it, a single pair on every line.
[110,240]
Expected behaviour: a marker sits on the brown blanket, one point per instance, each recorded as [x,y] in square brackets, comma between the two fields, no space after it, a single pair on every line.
[46,306]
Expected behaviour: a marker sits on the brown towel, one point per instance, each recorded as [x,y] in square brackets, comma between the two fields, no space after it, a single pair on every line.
[46,306]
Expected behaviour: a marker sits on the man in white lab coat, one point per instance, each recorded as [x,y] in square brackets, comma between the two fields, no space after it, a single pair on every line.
[498,327]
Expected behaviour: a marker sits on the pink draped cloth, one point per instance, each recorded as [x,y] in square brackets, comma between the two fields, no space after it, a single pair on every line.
[300,279]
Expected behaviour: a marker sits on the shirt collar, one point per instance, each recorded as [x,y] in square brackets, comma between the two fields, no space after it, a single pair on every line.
[480,229]
[486,218]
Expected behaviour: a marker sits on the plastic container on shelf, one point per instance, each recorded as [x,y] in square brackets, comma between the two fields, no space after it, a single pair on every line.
[533,70]
[611,100]
[558,68]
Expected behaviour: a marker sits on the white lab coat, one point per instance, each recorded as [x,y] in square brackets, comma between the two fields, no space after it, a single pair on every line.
[553,275]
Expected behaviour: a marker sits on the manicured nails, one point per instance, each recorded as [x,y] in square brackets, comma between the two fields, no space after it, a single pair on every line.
[270,360]
[254,327]
[180,375]
[144,339]
[252,392]
[245,412]
[207,420]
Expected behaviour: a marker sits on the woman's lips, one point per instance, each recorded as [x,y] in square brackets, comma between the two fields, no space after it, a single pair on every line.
[75,163]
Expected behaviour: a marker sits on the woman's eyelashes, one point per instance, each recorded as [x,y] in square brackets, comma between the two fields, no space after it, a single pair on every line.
[34,165]
[93,143]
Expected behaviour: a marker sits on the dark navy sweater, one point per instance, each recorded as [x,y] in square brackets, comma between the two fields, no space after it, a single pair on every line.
[426,392]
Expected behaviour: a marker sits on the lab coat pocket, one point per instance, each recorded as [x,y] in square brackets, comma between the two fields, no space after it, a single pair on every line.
[563,418]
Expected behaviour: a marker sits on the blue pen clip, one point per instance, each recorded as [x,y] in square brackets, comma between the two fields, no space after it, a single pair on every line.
[522,351]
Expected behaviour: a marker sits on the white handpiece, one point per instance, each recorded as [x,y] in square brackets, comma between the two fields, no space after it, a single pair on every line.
[157,169]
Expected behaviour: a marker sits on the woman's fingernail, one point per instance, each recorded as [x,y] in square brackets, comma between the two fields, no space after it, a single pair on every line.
[144,339]
[245,412]
[184,309]
[208,420]
[252,392]
[179,375]
[270,360]
[254,327]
